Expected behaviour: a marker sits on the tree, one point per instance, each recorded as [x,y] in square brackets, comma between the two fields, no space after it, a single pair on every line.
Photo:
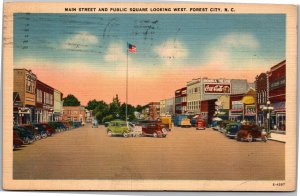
[130,112]
[92,104]
[71,100]
[114,107]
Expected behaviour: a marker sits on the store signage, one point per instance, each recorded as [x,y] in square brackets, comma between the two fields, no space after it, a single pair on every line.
[277,83]
[248,100]
[250,110]
[216,81]
[217,88]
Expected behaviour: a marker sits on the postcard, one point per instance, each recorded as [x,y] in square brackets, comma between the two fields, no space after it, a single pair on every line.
[149,96]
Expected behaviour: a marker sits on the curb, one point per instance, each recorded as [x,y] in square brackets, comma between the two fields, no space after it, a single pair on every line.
[276,140]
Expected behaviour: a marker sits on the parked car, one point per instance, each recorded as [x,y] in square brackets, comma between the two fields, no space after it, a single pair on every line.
[185,122]
[94,123]
[34,131]
[232,129]
[41,130]
[216,125]
[200,124]
[135,129]
[43,127]
[154,128]
[250,133]
[167,120]
[117,127]
[58,126]
[223,125]
[177,119]
[25,135]
[50,130]
[17,141]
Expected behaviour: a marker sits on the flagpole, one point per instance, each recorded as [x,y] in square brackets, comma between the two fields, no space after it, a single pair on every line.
[126,83]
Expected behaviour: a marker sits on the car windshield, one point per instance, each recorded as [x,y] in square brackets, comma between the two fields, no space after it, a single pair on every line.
[122,124]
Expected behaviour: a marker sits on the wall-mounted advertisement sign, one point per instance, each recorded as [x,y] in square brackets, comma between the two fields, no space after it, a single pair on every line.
[217,88]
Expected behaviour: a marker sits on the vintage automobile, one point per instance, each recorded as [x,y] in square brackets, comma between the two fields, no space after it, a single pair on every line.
[135,129]
[167,120]
[154,128]
[200,124]
[34,131]
[216,123]
[185,122]
[223,125]
[43,127]
[25,135]
[232,129]
[251,133]
[94,123]
[17,142]
[118,127]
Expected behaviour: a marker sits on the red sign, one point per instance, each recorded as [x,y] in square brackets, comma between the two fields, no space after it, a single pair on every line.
[217,88]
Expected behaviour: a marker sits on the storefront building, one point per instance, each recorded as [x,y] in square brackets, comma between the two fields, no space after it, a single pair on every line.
[58,105]
[262,96]
[249,107]
[236,107]
[194,96]
[181,101]
[44,102]
[162,107]
[277,96]
[208,110]
[25,86]
[74,113]
[170,106]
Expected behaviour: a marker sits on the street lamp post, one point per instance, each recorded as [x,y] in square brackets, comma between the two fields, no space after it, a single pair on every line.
[268,109]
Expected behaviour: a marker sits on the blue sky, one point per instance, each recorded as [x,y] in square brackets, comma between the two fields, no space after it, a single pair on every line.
[172,49]
[195,34]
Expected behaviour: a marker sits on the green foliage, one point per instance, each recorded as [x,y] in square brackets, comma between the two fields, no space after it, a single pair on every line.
[71,100]
[107,118]
[92,104]
[104,112]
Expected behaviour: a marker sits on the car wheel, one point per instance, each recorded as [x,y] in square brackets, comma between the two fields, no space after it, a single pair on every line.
[154,134]
[44,135]
[249,138]
[26,140]
[164,130]
[237,139]
[109,133]
[38,137]
[265,138]
[125,134]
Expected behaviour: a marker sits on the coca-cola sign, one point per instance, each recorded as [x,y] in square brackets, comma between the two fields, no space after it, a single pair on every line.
[217,88]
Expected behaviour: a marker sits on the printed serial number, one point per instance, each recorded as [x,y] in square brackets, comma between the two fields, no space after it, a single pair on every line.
[279,184]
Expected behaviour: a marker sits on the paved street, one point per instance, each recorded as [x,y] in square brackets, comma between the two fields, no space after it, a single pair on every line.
[88,153]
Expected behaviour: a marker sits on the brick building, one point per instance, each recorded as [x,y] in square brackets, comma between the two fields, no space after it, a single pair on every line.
[44,102]
[74,113]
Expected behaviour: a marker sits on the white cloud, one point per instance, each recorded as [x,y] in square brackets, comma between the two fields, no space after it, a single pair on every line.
[234,50]
[171,49]
[238,40]
[80,41]
[115,53]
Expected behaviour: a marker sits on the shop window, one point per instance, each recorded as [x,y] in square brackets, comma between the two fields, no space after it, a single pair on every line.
[281,121]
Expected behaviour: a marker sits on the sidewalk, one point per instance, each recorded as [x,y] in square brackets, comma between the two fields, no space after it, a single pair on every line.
[278,137]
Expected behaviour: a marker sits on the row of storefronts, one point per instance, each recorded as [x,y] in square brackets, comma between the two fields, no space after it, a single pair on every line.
[34,100]
[261,102]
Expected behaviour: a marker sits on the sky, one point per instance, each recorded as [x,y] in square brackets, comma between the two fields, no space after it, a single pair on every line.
[86,55]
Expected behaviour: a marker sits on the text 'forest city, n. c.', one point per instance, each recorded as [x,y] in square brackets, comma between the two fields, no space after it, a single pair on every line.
[144,9]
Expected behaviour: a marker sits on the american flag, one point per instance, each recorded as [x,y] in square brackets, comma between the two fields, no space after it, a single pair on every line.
[131,48]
